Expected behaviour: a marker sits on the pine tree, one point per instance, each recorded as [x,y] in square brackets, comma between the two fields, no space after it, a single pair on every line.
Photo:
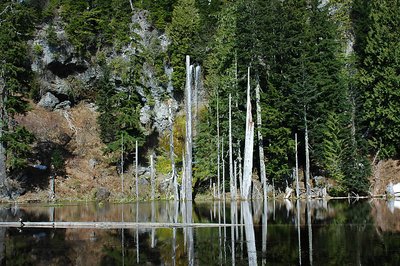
[183,32]
[119,115]
[221,66]
[378,58]
[16,21]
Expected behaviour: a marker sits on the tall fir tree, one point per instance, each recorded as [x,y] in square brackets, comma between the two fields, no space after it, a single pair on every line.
[220,65]
[17,22]
[183,32]
[378,76]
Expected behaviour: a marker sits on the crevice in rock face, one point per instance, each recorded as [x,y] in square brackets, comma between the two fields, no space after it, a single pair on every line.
[64,70]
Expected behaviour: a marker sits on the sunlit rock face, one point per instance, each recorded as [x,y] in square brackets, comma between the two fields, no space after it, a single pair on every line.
[65,74]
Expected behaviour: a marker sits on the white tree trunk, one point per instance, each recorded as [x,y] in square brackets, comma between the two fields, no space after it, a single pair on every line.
[307,154]
[189,142]
[297,168]
[248,146]
[218,153]
[136,169]
[183,187]
[260,143]
[130,2]
[122,163]
[3,124]
[197,84]
[172,153]
[223,170]
[240,170]
[152,177]
[235,176]
[231,177]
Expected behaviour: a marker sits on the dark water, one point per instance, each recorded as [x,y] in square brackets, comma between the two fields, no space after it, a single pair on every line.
[280,233]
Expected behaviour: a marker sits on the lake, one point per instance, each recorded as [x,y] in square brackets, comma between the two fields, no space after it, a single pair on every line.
[311,232]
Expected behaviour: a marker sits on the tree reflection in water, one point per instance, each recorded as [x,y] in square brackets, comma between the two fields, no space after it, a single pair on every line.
[302,233]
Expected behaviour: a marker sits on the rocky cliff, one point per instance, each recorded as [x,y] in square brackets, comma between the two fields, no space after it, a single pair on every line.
[64,116]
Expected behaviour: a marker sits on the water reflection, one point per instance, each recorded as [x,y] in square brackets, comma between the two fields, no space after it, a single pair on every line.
[279,232]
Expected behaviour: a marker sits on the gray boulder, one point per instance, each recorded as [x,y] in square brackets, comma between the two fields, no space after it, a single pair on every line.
[48,101]
[102,194]
[65,105]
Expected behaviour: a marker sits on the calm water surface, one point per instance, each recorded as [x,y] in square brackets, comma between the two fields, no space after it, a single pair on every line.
[278,233]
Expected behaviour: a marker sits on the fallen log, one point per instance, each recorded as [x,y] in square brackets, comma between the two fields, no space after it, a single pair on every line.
[110,225]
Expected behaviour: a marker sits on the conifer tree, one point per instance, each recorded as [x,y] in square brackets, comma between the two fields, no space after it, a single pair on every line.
[221,66]
[183,32]
[16,27]
[379,79]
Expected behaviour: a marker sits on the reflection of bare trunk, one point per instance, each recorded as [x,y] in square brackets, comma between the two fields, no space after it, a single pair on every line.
[51,214]
[2,245]
[265,232]
[260,143]
[224,217]
[137,232]
[248,147]
[123,237]
[298,229]
[219,231]
[309,225]
[176,213]
[233,214]
[241,231]
[190,237]
[250,238]
[189,131]
[153,230]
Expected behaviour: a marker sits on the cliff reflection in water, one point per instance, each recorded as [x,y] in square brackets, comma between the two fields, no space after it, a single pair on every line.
[281,232]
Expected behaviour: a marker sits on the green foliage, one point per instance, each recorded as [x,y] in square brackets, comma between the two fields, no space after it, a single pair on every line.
[37,49]
[51,36]
[119,118]
[278,141]
[163,163]
[205,152]
[183,33]
[17,25]
[378,76]
[334,149]
[19,149]
[221,80]
[160,11]
[95,24]
[57,161]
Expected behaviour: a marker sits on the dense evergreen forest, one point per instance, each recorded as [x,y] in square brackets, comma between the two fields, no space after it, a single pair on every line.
[328,68]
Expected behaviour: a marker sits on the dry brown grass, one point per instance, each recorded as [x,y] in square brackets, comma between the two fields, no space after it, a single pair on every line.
[77,125]
[384,172]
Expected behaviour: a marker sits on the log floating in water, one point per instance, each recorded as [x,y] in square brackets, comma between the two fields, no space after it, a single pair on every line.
[110,225]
